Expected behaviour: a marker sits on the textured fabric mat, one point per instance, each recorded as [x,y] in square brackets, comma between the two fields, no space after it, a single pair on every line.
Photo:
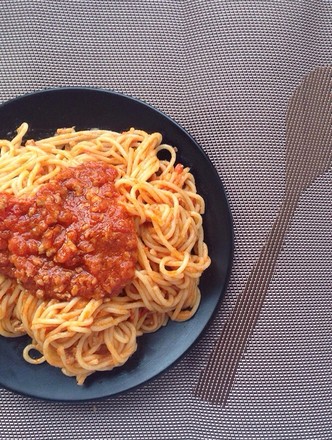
[225,70]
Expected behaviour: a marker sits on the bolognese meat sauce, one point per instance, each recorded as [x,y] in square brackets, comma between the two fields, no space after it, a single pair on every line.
[72,238]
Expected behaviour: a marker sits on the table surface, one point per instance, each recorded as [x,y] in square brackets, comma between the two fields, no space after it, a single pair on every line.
[224,70]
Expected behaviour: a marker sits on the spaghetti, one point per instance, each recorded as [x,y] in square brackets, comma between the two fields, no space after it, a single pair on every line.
[82,335]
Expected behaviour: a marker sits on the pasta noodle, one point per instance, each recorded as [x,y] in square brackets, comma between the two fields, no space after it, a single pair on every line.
[84,335]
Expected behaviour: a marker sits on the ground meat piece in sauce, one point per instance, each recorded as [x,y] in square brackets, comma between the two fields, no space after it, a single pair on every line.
[73,238]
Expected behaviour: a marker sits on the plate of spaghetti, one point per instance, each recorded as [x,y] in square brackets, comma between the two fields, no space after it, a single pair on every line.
[115,243]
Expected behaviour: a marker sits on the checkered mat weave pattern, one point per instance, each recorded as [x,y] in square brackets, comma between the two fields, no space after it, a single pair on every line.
[225,70]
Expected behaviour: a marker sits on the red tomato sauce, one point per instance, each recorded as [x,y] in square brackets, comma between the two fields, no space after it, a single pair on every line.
[72,238]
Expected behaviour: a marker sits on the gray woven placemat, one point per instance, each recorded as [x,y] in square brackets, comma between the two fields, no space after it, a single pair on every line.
[225,70]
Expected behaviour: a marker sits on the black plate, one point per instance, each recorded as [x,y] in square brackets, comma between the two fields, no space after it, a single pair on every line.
[89,108]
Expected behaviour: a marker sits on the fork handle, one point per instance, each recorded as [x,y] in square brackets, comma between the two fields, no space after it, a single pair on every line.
[216,381]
